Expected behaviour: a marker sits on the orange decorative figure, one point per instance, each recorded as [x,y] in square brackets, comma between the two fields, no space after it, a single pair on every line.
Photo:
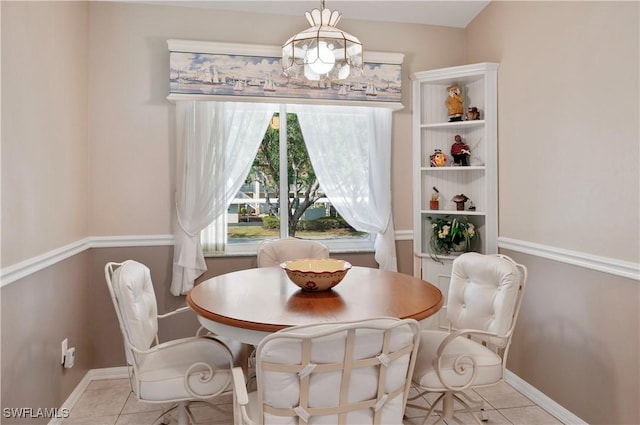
[455,102]
[438,158]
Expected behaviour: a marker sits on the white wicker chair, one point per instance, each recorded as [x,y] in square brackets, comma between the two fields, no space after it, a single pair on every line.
[347,373]
[272,253]
[485,294]
[180,371]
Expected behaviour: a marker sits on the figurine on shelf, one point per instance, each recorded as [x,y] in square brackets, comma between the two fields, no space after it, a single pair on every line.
[460,200]
[438,158]
[473,113]
[434,204]
[460,151]
[454,104]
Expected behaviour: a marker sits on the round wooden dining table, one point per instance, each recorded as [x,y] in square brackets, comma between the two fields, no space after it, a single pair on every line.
[248,305]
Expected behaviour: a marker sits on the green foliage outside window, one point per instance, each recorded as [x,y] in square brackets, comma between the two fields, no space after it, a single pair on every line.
[304,186]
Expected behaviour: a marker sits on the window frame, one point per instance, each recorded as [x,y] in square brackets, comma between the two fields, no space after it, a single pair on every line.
[335,245]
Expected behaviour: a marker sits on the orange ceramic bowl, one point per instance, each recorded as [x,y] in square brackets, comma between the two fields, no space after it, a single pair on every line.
[316,274]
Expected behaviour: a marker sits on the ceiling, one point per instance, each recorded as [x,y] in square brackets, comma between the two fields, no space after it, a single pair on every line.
[450,13]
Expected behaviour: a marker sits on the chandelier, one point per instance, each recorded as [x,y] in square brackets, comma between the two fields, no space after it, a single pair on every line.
[322,51]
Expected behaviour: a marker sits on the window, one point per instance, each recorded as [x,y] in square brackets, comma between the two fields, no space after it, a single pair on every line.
[217,142]
[255,214]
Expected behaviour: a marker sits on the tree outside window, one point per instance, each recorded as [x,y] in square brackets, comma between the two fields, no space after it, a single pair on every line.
[309,212]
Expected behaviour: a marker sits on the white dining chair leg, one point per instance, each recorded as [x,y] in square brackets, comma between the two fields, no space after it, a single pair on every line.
[473,405]
[430,410]
[164,418]
[183,418]
[447,406]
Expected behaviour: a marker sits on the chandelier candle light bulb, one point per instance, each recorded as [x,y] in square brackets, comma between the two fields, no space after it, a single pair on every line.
[322,51]
[320,59]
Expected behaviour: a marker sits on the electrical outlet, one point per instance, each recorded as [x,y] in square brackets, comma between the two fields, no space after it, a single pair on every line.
[65,347]
[70,357]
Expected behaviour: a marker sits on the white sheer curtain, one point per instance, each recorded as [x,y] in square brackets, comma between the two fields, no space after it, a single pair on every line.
[350,149]
[216,145]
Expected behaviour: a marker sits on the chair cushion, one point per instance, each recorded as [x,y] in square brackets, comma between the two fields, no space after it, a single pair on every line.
[482,293]
[488,363]
[161,374]
[137,303]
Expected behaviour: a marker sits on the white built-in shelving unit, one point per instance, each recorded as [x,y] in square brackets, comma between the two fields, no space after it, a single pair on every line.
[478,181]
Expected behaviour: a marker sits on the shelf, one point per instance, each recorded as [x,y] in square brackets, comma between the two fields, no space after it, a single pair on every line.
[455,124]
[433,131]
[453,212]
[440,256]
[456,169]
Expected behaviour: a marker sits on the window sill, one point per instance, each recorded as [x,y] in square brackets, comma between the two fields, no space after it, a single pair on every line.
[339,246]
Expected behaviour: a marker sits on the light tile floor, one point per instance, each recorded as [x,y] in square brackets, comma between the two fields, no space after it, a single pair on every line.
[110,402]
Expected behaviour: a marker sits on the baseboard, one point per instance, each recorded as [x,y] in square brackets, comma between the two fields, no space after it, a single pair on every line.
[72,399]
[539,398]
[91,375]
[121,372]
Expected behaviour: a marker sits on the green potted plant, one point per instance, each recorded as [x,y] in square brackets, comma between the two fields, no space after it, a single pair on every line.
[451,235]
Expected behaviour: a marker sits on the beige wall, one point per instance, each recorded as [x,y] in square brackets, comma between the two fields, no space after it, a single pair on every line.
[569,116]
[131,122]
[37,313]
[70,70]
[44,127]
[577,340]
[95,77]
[569,179]
[44,199]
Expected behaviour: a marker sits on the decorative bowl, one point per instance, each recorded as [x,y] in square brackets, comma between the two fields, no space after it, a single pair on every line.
[316,274]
